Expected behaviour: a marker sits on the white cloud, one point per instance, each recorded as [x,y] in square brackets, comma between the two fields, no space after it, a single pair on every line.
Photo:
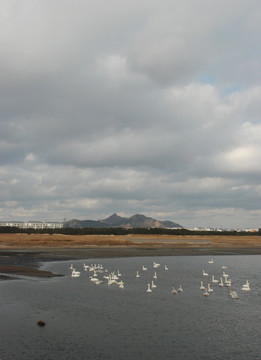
[114,67]
[30,157]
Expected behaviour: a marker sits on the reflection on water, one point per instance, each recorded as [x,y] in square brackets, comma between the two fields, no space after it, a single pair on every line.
[88,321]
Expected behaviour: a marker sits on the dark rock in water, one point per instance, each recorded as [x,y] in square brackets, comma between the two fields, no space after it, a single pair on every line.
[41,323]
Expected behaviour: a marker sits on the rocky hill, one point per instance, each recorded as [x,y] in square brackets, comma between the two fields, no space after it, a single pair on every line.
[135,221]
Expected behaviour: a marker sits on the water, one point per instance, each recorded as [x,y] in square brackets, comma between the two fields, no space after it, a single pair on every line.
[88,321]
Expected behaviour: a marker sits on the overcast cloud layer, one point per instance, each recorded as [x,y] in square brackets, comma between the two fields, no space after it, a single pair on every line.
[131,107]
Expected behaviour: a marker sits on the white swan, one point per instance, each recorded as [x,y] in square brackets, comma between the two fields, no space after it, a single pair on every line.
[153,286]
[211,261]
[221,282]
[225,275]
[174,291]
[166,268]
[98,282]
[110,282]
[85,267]
[156,265]
[246,287]
[228,283]
[204,273]
[214,280]
[114,276]
[155,275]
[121,284]
[246,284]
[75,273]
[144,268]
[210,290]
[180,289]
[206,293]
[149,289]
[137,275]
[202,287]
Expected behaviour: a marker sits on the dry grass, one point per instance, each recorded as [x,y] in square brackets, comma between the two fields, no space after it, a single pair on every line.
[25,241]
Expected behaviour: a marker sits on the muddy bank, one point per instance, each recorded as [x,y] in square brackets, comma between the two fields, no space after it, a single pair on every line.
[14,264]
[9,271]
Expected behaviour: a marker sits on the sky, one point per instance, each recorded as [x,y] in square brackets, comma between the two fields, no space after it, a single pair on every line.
[134,107]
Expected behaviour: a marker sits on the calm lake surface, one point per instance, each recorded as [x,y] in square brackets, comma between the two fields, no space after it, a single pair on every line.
[88,321]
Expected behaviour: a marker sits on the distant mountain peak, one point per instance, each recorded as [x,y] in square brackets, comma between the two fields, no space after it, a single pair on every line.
[138,221]
[114,220]
[112,217]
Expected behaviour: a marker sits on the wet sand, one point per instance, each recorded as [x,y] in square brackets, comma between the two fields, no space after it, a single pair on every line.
[22,254]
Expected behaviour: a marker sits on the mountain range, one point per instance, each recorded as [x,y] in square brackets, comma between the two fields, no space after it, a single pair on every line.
[135,221]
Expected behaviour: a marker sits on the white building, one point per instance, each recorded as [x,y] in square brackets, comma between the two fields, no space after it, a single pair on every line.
[33,224]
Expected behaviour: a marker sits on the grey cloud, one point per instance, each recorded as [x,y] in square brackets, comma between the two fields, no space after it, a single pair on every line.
[188,39]
[138,107]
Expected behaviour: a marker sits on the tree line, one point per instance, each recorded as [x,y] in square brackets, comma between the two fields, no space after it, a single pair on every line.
[121,231]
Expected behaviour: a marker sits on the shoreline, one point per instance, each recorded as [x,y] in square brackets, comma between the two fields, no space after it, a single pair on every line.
[23,254]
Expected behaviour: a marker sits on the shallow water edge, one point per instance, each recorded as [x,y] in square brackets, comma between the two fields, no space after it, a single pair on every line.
[27,262]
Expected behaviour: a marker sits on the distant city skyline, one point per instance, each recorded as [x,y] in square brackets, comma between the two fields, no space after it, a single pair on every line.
[137,107]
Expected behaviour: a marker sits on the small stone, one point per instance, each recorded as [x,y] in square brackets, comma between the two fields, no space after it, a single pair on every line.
[41,323]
